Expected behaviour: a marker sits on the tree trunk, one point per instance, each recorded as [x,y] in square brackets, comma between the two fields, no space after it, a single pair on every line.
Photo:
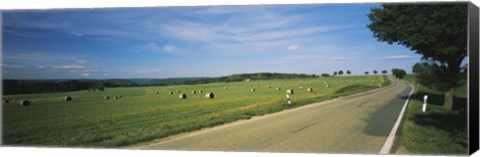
[448,99]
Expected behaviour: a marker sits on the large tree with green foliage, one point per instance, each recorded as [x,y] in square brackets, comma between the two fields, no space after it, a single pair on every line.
[436,31]
[399,73]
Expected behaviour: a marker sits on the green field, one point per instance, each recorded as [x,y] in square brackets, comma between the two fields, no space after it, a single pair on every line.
[142,115]
[435,131]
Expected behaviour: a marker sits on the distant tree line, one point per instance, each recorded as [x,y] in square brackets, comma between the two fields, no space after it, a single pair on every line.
[11,86]
[250,76]
[45,86]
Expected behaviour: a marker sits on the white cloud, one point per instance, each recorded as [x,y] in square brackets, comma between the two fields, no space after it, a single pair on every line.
[339,58]
[12,66]
[72,66]
[398,57]
[81,61]
[85,74]
[169,48]
[294,47]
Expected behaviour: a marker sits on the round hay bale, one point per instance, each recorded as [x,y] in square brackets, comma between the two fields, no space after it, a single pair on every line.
[178,91]
[278,88]
[269,86]
[200,91]
[182,96]
[289,91]
[25,103]
[6,101]
[194,92]
[328,86]
[310,89]
[68,98]
[253,89]
[209,96]
[115,97]
[300,87]
[107,97]
[171,93]
[119,96]
[226,88]
[157,92]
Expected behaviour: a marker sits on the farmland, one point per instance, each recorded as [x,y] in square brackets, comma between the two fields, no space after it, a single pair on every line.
[142,115]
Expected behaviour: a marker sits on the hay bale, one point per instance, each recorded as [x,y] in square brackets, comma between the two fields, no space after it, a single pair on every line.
[209,96]
[310,89]
[278,88]
[226,88]
[289,91]
[182,96]
[25,103]
[269,86]
[157,92]
[253,89]
[119,96]
[328,86]
[106,97]
[178,91]
[200,91]
[171,93]
[115,97]
[6,101]
[194,92]
[68,98]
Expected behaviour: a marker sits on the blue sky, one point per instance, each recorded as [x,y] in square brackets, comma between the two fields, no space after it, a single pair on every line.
[166,42]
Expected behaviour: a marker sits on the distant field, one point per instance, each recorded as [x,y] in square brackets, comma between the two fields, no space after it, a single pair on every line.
[142,115]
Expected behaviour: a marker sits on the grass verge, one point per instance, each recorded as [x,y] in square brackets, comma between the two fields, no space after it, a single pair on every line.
[435,131]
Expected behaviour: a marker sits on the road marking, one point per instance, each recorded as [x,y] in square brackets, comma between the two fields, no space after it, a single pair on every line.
[389,142]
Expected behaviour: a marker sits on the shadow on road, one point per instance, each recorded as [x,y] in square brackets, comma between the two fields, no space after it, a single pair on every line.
[382,121]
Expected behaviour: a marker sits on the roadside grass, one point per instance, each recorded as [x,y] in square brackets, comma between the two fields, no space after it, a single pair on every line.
[141,115]
[436,131]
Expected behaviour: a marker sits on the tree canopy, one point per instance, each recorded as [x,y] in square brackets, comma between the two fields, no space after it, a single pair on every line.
[399,73]
[436,31]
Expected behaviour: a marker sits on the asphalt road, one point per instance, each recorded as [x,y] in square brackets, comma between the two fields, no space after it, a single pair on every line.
[352,124]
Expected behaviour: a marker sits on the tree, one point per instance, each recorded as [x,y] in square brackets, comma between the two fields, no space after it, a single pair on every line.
[375,72]
[366,72]
[432,76]
[384,72]
[348,72]
[399,73]
[340,72]
[436,31]
[334,73]
[325,75]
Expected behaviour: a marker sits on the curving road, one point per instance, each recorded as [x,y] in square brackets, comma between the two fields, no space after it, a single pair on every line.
[353,124]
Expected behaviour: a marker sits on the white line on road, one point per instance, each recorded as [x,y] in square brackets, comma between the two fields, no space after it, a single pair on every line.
[388,144]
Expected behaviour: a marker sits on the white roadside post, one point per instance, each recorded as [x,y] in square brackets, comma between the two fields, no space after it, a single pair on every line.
[424,107]
[288,99]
